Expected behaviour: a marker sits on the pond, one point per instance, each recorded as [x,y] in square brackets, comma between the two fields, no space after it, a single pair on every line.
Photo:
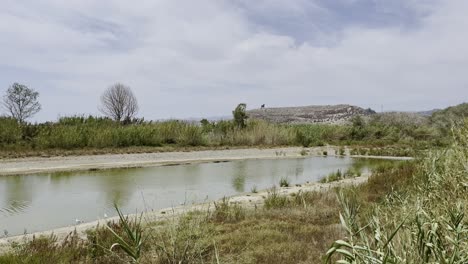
[39,202]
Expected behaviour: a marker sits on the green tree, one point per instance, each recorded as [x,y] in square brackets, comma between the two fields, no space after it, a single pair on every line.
[240,115]
[10,131]
[21,102]
[358,130]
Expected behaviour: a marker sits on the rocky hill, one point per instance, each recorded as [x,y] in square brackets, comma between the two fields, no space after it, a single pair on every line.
[331,114]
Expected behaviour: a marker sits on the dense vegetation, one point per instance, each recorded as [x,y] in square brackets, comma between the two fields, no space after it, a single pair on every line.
[411,212]
[423,221]
[94,133]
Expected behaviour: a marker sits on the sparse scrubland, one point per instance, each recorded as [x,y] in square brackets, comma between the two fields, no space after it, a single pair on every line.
[379,134]
[410,212]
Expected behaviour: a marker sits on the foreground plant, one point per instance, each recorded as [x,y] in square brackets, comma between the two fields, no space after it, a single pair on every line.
[422,223]
[135,236]
[284,182]
[359,248]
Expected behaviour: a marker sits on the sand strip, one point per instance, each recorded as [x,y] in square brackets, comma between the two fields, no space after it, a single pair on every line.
[99,162]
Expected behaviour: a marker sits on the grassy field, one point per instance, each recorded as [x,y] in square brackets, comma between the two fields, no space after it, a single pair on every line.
[412,212]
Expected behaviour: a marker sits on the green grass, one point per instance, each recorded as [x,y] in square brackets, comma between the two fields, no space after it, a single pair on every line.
[284,182]
[334,176]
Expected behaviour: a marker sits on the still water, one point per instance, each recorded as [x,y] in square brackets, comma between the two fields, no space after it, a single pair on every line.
[39,202]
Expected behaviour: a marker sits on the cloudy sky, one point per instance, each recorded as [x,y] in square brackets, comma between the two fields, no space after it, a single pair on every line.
[200,58]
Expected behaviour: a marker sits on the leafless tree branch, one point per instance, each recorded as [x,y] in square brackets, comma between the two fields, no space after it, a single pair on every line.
[119,103]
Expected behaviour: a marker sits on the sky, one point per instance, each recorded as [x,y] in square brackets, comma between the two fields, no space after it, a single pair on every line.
[201,58]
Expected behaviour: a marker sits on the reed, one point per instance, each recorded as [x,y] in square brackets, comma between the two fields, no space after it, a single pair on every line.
[79,132]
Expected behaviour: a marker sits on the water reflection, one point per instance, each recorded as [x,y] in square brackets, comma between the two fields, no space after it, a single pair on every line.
[115,186]
[240,173]
[18,195]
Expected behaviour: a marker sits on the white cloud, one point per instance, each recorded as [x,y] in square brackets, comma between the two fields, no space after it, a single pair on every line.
[201,58]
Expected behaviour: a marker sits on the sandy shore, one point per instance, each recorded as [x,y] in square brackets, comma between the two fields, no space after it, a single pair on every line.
[99,162]
[248,200]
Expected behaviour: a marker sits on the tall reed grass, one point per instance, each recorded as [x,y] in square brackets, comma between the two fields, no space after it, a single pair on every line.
[425,222]
[71,133]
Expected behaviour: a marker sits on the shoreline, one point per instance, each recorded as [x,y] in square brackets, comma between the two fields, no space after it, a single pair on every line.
[24,166]
[247,200]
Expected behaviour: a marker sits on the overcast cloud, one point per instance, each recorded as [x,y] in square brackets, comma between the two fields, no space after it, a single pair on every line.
[200,58]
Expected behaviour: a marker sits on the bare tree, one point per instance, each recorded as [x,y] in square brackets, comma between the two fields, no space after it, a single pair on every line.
[21,102]
[119,103]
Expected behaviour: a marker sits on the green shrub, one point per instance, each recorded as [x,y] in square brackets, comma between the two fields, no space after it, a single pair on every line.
[226,212]
[191,135]
[275,200]
[10,131]
[342,151]
[284,182]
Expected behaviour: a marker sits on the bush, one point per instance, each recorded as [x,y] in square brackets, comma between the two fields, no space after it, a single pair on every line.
[284,182]
[311,135]
[274,200]
[191,136]
[421,220]
[10,131]
[225,212]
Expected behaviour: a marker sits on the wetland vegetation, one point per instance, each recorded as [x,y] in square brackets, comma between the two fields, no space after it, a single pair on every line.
[393,134]
[412,212]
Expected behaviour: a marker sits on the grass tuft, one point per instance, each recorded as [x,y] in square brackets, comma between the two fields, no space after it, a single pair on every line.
[284,182]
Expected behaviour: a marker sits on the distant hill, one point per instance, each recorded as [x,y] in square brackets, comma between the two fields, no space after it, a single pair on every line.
[427,113]
[331,114]
[446,118]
